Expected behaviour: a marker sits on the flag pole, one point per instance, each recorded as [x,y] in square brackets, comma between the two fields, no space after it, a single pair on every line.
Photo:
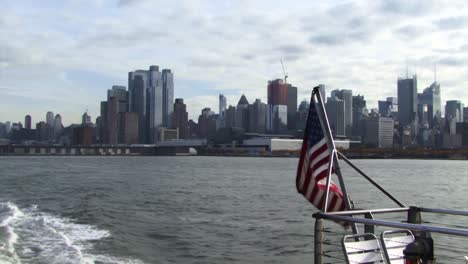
[334,158]
[331,144]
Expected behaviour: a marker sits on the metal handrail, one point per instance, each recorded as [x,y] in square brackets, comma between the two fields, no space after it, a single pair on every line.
[441,211]
[373,211]
[417,227]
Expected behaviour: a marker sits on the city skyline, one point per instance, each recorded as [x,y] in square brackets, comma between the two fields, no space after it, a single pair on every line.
[74,59]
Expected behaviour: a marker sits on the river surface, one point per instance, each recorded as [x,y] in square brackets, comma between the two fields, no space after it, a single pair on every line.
[190,209]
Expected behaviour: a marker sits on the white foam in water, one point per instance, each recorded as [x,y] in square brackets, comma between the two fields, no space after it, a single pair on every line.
[35,237]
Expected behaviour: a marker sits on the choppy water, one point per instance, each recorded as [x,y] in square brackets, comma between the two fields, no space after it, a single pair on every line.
[187,209]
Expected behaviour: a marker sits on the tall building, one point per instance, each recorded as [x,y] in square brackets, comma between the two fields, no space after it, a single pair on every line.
[222,104]
[128,128]
[230,116]
[112,120]
[27,122]
[465,114]
[167,97]
[292,107]
[137,86]
[151,95]
[276,119]
[242,113]
[379,132]
[50,118]
[206,123]
[180,118]
[277,92]
[85,119]
[359,115]
[454,110]
[58,126]
[302,114]
[431,98]
[257,113]
[120,92]
[335,108]
[407,100]
[347,97]
[103,134]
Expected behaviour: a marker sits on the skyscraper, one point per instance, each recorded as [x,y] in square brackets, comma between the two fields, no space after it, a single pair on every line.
[242,113]
[359,115]
[103,134]
[50,118]
[120,92]
[58,126]
[257,112]
[292,107]
[137,84]
[168,97]
[180,118]
[27,122]
[222,104]
[151,95]
[277,92]
[407,100]
[336,114]
[347,97]
[454,110]
[431,97]
[85,119]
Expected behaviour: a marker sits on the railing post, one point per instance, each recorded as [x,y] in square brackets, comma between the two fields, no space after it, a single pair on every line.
[369,228]
[414,215]
[318,241]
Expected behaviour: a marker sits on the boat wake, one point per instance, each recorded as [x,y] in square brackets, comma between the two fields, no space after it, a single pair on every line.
[30,236]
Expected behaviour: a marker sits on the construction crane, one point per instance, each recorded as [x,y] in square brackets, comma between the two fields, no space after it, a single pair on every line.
[285,73]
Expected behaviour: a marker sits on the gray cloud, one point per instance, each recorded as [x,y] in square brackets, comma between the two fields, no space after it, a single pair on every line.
[410,31]
[453,61]
[404,7]
[451,23]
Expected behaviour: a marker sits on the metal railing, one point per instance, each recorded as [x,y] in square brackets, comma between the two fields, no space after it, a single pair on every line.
[412,222]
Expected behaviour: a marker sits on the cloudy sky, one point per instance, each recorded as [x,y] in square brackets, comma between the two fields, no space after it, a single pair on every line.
[62,56]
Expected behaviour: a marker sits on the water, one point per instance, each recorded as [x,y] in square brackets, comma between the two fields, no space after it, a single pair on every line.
[187,209]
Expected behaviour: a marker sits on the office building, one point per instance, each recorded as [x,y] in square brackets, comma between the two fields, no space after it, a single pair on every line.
[180,118]
[167,97]
[230,117]
[379,132]
[292,107]
[431,98]
[407,100]
[86,119]
[257,115]
[27,122]
[112,120]
[277,92]
[206,123]
[347,97]
[137,86]
[359,115]
[58,126]
[335,108]
[50,118]
[302,114]
[83,135]
[128,128]
[120,92]
[103,134]
[222,104]
[454,110]
[276,119]
[242,114]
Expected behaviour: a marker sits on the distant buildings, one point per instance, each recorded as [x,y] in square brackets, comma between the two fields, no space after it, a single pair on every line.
[347,97]
[335,108]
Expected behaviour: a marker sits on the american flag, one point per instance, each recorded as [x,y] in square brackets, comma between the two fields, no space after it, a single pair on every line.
[313,165]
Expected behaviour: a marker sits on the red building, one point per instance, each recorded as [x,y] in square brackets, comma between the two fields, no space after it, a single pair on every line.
[277,92]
